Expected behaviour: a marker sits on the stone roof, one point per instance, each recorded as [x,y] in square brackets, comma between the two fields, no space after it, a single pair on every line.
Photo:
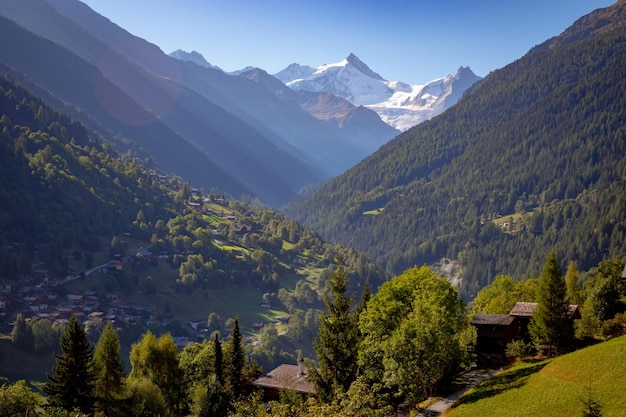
[492,319]
[287,376]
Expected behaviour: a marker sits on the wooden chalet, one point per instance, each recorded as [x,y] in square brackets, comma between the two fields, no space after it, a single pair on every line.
[495,331]
[285,376]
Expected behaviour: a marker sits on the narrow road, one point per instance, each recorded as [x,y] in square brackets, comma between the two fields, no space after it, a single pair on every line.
[70,278]
[442,405]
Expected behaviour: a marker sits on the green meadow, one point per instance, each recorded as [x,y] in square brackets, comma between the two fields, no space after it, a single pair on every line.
[554,388]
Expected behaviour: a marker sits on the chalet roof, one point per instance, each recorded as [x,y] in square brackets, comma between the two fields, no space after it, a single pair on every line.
[492,320]
[523,309]
[287,376]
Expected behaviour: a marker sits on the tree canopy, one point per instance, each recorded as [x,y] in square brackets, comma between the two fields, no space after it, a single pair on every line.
[415,334]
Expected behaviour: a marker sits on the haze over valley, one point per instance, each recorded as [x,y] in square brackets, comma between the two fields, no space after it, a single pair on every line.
[187,234]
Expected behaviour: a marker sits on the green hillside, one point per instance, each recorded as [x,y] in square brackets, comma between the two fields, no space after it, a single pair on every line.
[559,387]
[77,217]
[542,140]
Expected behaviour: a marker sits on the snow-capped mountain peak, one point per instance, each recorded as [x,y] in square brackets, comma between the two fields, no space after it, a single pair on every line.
[399,104]
[362,67]
[350,79]
[193,56]
[294,72]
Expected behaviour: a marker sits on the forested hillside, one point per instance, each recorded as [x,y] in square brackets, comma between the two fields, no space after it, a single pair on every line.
[76,216]
[61,185]
[531,159]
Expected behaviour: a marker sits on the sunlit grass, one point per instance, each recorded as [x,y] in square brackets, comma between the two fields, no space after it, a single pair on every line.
[554,388]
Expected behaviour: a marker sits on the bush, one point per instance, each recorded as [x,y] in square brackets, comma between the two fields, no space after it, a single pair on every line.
[517,349]
[17,399]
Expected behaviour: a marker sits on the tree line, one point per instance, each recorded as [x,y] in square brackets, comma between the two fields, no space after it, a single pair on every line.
[402,344]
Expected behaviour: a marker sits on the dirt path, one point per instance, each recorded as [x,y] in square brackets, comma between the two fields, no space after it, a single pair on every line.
[474,378]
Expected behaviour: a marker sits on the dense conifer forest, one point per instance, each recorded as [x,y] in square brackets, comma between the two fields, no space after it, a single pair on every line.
[531,159]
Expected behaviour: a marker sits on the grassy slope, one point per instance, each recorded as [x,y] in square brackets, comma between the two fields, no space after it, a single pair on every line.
[555,387]
[243,302]
[16,364]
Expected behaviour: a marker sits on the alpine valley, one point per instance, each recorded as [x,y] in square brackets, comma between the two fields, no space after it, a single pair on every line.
[155,205]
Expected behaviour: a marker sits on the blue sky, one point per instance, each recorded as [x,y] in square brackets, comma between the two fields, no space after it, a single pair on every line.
[413,41]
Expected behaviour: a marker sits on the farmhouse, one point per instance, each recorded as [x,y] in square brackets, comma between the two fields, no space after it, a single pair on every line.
[285,376]
[495,331]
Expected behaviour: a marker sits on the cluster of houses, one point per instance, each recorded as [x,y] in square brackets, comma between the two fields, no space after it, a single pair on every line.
[35,298]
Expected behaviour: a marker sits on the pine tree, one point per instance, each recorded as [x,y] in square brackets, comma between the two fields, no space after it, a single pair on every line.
[72,383]
[218,365]
[550,324]
[337,340]
[591,406]
[109,371]
[365,296]
[237,361]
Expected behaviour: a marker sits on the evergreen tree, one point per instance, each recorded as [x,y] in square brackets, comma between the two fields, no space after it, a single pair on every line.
[237,361]
[109,370]
[337,341]
[219,359]
[365,296]
[22,334]
[591,406]
[72,383]
[550,324]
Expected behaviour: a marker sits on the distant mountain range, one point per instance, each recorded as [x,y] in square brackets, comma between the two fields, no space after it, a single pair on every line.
[221,131]
[399,104]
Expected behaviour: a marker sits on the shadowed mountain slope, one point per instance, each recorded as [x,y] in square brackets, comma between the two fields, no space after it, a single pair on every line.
[264,168]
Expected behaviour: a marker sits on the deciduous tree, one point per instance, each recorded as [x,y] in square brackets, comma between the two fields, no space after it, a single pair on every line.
[110,388]
[17,399]
[156,359]
[415,334]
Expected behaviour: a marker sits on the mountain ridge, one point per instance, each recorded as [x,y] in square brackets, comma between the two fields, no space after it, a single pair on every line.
[537,140]
[284,123]
[399,104]
[228,141]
